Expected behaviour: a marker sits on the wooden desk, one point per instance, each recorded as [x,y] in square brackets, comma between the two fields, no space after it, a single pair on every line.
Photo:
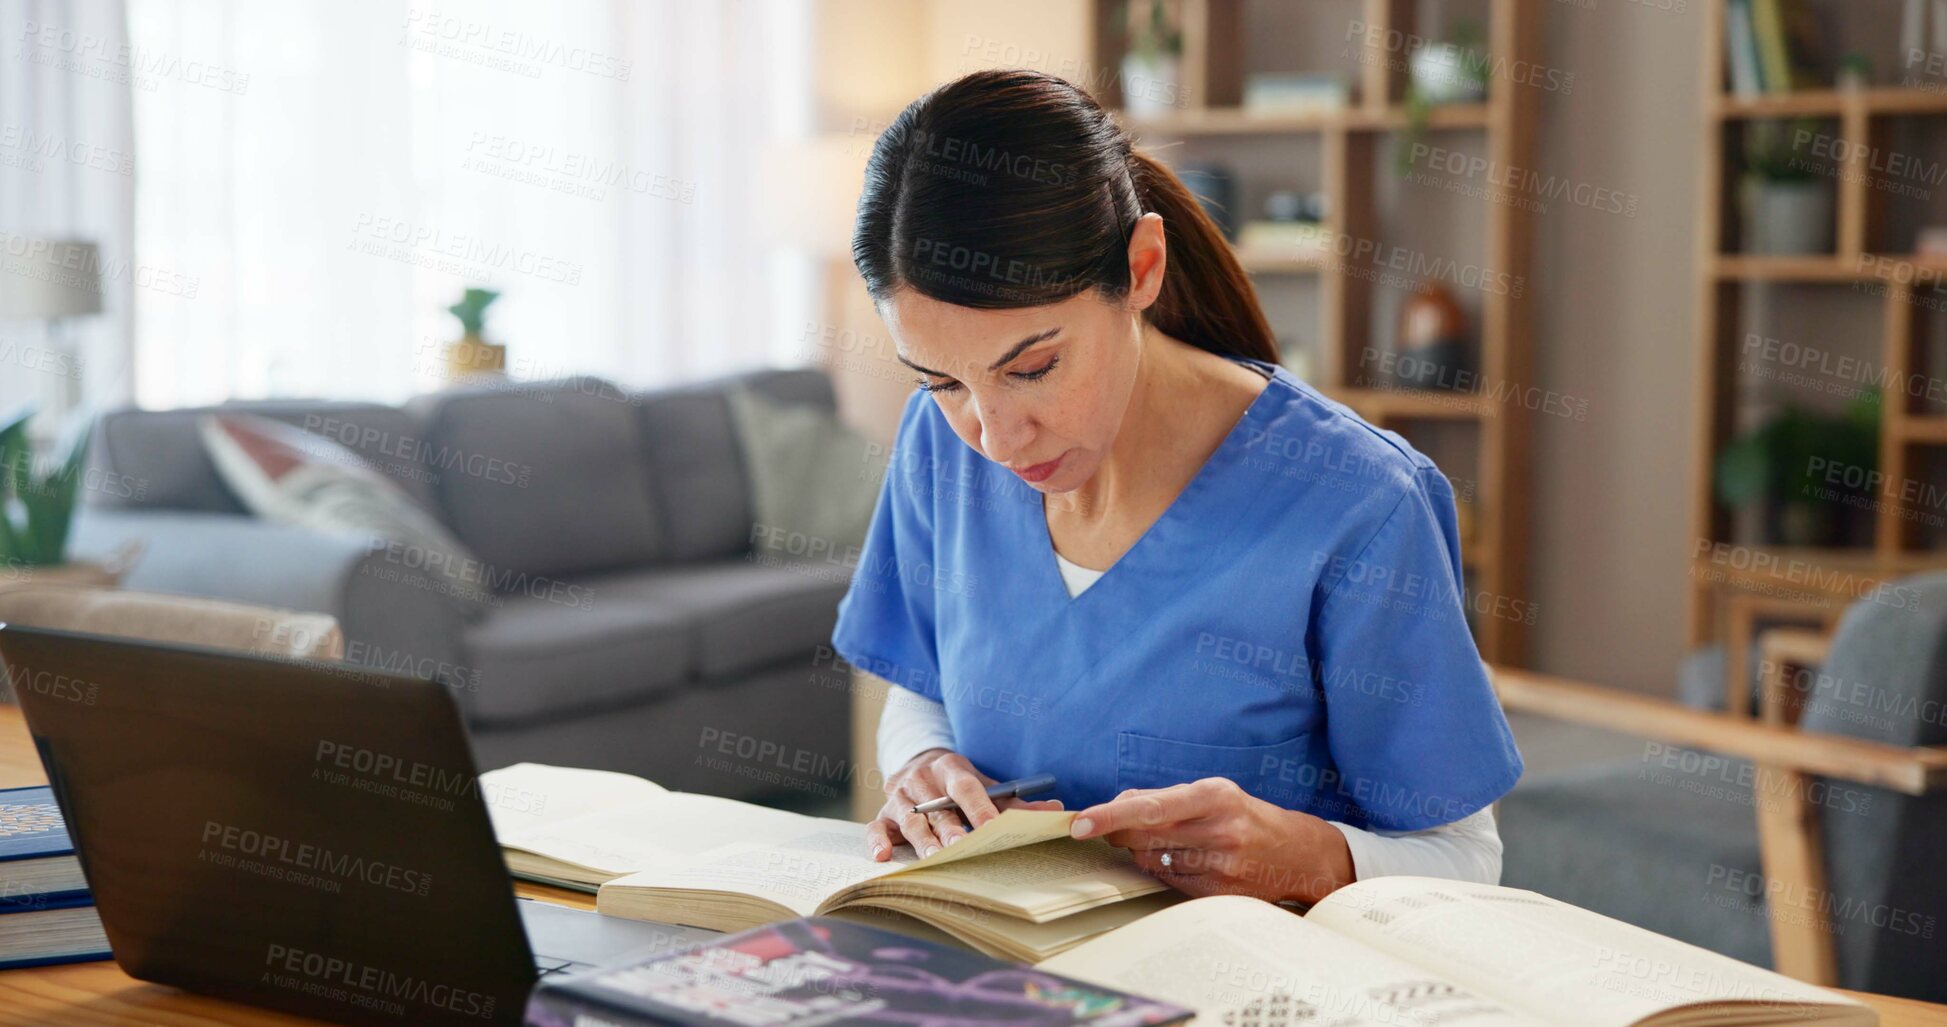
[100,993]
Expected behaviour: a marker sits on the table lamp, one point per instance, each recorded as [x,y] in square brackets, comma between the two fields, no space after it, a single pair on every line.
[51,280]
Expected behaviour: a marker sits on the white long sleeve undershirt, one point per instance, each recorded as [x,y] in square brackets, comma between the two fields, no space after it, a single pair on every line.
[1469,849]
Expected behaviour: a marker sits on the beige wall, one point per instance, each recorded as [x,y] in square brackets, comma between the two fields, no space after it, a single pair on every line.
[1612,309]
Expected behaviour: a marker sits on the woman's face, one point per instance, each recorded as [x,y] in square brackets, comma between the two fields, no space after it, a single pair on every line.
[1040,390]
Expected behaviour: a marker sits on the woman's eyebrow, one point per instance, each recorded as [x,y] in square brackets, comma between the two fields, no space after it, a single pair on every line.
[1023,344]
[1013,352]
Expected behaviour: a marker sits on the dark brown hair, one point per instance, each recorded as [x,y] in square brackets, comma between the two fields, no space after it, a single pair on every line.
[1007,189]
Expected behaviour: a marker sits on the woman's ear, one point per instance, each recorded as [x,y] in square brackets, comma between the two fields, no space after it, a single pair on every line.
[1148,258]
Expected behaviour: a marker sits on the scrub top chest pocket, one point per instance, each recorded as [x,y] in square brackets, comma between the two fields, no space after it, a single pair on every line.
[1277,773]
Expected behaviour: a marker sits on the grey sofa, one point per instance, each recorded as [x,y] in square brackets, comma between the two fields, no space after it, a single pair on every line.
[630,627]
[1670,841]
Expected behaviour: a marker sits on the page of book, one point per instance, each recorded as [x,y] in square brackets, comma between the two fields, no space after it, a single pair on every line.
[1040,882]
[1559,961]
[527,796]
[1012,829]
[1014,938]
[663,831]
[798,872]
[1239,960]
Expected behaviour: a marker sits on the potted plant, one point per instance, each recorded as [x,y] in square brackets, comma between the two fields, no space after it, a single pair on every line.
[472,355]
[1783,464]
[1453,71]
[1152,66]
[37,511]
[1787,201]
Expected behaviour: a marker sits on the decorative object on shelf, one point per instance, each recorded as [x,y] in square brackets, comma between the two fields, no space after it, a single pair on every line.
[1454,70]
[1787,203]
[1931,242]
[1431,351]
[1289,94]
[1293,221]
[37,509]
[471,355]
[1855,71]
[1214,188]
[1152,66]
[1788,462]
[53,280]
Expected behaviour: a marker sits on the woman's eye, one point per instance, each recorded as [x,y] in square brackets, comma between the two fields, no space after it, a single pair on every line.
[927,386]
[1037,374]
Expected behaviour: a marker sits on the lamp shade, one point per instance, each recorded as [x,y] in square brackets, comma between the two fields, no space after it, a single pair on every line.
[48,278]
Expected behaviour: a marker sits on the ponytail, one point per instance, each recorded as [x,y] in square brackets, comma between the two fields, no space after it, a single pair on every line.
[1008,189]
[1207,299]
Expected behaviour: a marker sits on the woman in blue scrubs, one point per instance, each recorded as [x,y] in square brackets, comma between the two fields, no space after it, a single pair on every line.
[1119,544]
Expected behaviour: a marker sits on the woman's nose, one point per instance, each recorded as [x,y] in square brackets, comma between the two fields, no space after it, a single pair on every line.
[1004,431]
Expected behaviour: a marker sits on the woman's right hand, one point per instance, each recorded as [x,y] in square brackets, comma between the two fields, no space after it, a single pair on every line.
[927,776]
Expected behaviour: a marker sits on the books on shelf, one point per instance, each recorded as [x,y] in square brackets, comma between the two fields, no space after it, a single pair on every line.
[1419,950]
[46,913]
[813,972]
[1741,40]
[1018,887]
[1284,238]
[1772,46]
[1280,94]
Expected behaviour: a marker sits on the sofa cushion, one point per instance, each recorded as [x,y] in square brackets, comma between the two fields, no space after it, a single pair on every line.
[544,479]
[698,464]
[813,481]
[544,657]
[1669,844]
[287,475]
[156,459]
[742,615]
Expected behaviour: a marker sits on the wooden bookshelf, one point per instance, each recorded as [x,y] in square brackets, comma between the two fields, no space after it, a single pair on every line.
[1349,142]
[1722,565]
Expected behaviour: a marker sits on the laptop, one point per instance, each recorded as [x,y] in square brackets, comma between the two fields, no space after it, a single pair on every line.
[298,835]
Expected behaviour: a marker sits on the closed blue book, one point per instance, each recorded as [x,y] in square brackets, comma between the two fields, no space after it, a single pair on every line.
[820,971]
[46,913]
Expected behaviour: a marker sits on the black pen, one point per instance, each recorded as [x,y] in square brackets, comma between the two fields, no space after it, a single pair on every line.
[1003,790]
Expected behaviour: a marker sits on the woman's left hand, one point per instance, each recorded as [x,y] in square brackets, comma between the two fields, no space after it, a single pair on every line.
[1219,839]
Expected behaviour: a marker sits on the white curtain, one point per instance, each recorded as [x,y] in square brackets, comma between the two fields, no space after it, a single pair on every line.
[333,173]
[67,172]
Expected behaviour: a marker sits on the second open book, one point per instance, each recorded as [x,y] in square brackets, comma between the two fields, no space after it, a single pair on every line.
[1018,888]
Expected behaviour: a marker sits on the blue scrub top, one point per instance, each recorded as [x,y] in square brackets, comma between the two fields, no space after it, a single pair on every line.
[1294,621]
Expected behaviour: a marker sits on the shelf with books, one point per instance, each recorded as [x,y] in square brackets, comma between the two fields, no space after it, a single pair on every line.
[1850,310]
[1229,50]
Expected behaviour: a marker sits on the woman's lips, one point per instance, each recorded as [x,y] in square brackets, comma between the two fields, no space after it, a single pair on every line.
[1040,472]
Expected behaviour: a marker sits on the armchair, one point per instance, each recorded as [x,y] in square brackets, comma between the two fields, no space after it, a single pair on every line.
[1808,838]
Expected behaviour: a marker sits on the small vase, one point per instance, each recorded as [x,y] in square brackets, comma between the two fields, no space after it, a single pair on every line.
[472,357]
[1444,73]
[1151,84]
[1787,218]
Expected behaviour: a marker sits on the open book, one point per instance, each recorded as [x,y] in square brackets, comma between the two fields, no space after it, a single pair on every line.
[1018,887]
[1395,950]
